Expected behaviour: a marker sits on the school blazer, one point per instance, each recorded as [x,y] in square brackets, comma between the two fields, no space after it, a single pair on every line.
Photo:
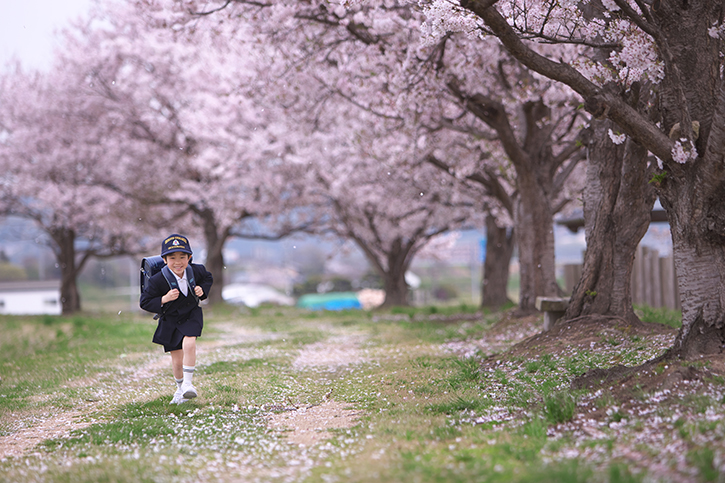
[183,313]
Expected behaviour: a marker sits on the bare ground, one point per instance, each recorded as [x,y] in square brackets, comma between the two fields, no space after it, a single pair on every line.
[304,426]
[309,425]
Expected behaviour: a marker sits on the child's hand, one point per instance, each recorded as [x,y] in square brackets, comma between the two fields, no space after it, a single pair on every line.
[171,295]
[198,291]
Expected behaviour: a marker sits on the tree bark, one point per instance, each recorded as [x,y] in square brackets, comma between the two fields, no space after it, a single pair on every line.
[215,239]
[696,214]
[692,192]
[617,204]
[398,259]
[499,249]
[536,168]
[396,288]
[65,254]
[534,225]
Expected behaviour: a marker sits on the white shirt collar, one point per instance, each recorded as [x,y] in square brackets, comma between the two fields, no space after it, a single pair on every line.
[183,283]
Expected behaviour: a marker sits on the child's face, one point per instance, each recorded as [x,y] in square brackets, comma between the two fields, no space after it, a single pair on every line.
[177,262]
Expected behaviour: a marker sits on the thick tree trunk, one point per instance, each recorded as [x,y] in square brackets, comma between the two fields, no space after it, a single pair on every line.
[214,256]
[65,253]
[698,236]
[215,265]
[693,193]
[396,288]
[392,273]
[499,249]
[536,167]
[617,204]
[534,225]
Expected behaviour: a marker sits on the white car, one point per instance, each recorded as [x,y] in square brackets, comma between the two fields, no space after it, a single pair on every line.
[253,295]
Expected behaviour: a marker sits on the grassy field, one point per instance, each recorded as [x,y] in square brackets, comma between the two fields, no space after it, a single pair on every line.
[414,395]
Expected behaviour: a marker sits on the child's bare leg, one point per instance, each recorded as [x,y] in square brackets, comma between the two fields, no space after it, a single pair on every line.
[177,358]
[189,348]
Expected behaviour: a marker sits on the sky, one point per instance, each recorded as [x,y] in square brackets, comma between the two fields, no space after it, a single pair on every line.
[27,27]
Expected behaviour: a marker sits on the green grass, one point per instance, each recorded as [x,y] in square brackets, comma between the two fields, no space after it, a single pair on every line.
[559,406]
[450,310]
[40,355]
[662,315]
[423,413]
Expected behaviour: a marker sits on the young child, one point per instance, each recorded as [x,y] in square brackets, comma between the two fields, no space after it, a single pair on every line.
[181,318]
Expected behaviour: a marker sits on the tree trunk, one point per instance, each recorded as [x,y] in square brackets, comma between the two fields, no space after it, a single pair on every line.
[534,225]
[214,255]
[693,194]
[65,254]
[697,223]
[536,167]
[617,204]
[690,190]
[396,288]
[215,265]
[499,248]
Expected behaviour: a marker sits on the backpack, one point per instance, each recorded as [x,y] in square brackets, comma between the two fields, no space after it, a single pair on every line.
[150,266]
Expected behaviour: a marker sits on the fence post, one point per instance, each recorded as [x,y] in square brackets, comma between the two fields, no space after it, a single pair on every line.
[572,275]
[637,277]
[670,292]
[655,279]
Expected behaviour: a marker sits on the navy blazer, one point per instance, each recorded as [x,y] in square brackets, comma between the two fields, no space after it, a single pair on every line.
[182,314]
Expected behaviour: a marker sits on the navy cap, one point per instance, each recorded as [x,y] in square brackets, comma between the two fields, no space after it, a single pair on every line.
[175,243]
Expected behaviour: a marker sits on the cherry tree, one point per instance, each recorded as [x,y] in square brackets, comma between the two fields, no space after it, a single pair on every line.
[669,50]
[615,182]
[380,194]
[52,154]
[523,132]
[373,56]
[371,161]
[189,111]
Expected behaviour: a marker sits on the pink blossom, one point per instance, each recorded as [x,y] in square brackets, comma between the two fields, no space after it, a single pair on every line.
[682,153]
[617,138]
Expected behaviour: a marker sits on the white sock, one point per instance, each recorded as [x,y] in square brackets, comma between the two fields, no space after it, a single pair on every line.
[178,382]
[188,374]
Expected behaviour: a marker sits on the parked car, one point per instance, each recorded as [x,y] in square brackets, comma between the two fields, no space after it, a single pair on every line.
[253,295]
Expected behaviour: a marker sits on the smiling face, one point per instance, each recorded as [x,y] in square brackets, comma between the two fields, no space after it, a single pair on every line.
[177,262]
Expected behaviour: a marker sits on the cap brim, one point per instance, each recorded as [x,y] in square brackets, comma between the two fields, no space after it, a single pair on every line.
[175,250]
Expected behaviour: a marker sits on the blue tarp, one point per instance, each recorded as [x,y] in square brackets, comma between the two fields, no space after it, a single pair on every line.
[330,301]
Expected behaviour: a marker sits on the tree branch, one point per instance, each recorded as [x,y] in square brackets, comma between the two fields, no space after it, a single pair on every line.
[600,101]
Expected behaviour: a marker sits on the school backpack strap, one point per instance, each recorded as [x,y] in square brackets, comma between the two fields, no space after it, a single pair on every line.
[171,280]
[192,282]
[174,284]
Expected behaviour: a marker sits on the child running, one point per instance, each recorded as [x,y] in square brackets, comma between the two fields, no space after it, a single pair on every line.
[181,319]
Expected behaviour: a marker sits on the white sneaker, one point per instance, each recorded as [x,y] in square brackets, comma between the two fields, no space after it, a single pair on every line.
[178,397]
[188,391]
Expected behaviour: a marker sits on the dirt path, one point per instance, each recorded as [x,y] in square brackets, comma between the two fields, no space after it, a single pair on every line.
[337,351]
[309,425]
[304,426]
[40,428]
